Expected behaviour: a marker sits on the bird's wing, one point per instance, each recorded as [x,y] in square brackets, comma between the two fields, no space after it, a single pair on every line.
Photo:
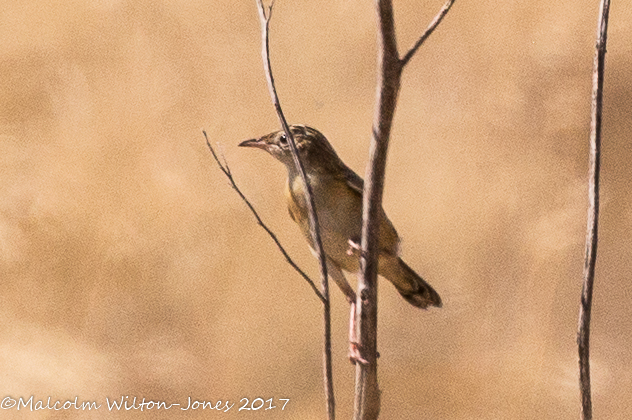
[389,240]
[353,180]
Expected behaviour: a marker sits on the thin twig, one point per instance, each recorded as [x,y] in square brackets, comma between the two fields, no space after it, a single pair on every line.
[435,22]
[583,333]
[390,67]
[311,207]
[224,167]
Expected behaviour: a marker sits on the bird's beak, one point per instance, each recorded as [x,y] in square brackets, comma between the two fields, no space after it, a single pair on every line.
[257,143]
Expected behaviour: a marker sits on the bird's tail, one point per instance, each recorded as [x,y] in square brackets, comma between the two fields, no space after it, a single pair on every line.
[408,283]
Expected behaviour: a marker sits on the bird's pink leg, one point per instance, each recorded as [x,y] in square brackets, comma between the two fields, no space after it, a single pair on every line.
[337,276]
[354,346]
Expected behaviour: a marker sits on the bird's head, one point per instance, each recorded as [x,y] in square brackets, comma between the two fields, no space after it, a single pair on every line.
[313,148]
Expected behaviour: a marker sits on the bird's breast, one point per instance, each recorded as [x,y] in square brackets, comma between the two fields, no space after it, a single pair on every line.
[339,211]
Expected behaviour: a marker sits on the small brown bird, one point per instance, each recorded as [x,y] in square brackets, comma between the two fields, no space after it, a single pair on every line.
[338,198]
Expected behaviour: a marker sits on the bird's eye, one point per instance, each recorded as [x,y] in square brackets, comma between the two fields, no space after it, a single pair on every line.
[283,140]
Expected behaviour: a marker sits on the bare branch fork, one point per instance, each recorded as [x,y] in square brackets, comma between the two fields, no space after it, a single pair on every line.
[325,300]
[583,332]
[264,17]
[390,67]
[224,167]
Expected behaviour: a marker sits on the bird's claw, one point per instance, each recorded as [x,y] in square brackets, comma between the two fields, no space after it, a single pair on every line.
[354,248]
[354,354]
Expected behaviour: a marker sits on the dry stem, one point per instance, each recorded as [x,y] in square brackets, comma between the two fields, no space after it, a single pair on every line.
[390,67]
[583,333]
[264,17]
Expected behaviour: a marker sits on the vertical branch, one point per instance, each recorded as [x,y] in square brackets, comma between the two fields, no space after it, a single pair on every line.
[583,333]
[367,395]
[390,67]
[311,207]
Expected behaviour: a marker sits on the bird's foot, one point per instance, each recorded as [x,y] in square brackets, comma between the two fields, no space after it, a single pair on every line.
[354,248]
[354,354]
[354,346]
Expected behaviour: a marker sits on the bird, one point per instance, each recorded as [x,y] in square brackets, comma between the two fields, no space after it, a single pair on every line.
[337,191]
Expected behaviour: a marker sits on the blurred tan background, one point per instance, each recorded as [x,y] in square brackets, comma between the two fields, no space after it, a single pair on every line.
[130,268]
